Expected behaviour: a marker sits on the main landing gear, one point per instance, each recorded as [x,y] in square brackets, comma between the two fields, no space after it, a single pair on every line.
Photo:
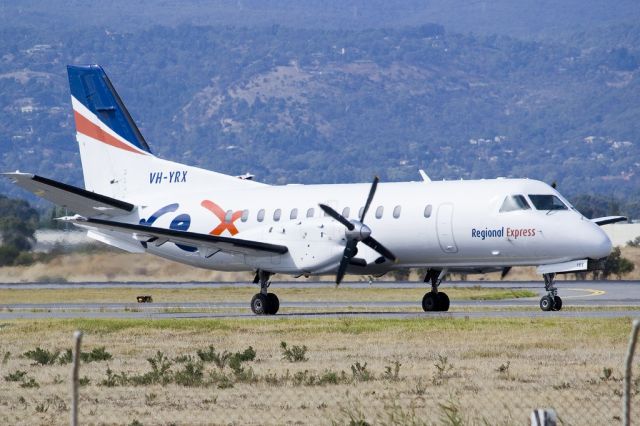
[551,301]
[264,303]
[435,300]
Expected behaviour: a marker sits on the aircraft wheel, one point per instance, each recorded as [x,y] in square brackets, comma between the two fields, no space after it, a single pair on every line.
[259,304]
[273,304]
[442,301]
[429,302]
[557,303]
[546,303]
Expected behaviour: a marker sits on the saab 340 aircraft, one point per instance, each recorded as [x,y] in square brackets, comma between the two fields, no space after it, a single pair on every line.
[138,202]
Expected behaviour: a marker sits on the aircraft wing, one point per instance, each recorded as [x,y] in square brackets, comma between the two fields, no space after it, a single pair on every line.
[207,244]
[78,200]
[607,220]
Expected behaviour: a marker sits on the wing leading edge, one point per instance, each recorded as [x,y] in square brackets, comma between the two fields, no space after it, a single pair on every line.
[207,244]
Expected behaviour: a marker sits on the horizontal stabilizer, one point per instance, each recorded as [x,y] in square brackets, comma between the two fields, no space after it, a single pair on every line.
[608,220]
[78,200]
[204,242]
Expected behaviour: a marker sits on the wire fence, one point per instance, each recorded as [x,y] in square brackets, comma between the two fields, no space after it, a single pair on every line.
[209,386]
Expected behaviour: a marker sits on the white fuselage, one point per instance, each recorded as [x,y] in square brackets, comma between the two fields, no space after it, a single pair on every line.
[463,227]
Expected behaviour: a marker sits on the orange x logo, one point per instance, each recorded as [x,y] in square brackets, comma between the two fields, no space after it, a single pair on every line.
[221,214]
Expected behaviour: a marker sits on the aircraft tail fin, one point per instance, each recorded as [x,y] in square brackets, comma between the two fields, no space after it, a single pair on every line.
[98,105]
[116,159]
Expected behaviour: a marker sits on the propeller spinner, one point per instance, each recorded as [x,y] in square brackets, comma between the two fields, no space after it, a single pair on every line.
[357,231]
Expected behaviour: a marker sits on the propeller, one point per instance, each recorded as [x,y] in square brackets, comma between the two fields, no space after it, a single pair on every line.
[357,231]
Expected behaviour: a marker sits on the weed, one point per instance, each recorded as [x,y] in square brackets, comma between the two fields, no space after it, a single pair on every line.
[392,372]
[114,379]
[331,378]
[29,383]
[6,357]
[443,370]
[191,375]
[451,415]
[563,385]
[160,368]
[360,373]
[150,398]
[248,354]
[84,381]
[16,376]
[57,379]
[295,353]
[503,369]
[135,422]
[420,388]
[42,356]
[66,357]
[43,407]
[96,354]
[181,359]
[207,355]
[220,360]
[352,415]
[221,380]
[607,374]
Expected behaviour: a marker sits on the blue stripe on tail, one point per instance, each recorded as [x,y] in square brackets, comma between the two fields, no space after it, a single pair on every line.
[90,85]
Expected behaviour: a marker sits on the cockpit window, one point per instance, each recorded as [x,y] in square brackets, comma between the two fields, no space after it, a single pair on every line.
[547,202]
[514,202]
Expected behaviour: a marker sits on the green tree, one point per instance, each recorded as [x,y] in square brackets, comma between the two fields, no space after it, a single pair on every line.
[617,265]
[18,223]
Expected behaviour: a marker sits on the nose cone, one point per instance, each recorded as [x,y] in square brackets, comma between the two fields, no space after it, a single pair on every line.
[599,243]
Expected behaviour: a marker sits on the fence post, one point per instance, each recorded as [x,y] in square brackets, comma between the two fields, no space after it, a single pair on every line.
[626,400]
[77,340]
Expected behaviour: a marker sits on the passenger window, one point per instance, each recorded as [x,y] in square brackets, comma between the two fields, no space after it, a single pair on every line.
[513,203]
[310,212]
[245,215]
[276,215]
[228,215]
[345,212]
[547,202]
[427,211]
[260,215]
[294,214]
[379,212]
[396,212]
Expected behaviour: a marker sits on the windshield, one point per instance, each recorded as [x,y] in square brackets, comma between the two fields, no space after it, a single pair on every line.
[547,202]
[514,202]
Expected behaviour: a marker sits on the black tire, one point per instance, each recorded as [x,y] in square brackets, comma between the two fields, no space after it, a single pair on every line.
[273,304]
[259,304]
[442,301]
[557,303]
[429,302]
[546,303]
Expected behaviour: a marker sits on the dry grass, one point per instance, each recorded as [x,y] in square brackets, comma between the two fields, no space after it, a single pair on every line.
[244,294]
[118,266]
[500,369]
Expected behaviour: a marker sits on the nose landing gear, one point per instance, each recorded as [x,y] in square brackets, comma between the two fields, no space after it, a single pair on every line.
[264,303]
[551,301]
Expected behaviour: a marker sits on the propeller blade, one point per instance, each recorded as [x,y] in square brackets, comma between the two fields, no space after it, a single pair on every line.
[349,251]
[337,216]
[374,244]
[372,192]
[505,272]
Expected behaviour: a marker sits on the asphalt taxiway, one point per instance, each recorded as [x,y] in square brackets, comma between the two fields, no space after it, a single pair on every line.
[581,299]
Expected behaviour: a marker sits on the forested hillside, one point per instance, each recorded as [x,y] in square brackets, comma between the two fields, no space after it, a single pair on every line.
[311,105]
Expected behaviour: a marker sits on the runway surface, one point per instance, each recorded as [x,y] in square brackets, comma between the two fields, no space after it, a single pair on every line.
[581,299]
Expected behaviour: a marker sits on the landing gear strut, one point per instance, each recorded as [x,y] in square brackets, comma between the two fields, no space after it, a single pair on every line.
[551,301]
[264,303]
[435,300]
